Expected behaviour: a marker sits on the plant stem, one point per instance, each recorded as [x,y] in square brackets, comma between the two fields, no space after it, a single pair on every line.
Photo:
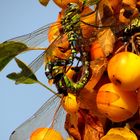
[39,82]
[37,49]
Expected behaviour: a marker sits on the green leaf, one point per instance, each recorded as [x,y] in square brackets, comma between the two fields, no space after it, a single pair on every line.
[8,50]
[26,76]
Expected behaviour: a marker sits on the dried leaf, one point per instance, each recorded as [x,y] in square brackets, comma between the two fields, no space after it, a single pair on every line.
[71,125]
[26,76]
[116,5]
[8,50]
[138,99]
[107,40]
[93,127]
[109,12]
[61,51]
[89,19]
[87,95]
[128,13]
[44,2]
[105,13]
[84,126]
[97,68]
[131,3]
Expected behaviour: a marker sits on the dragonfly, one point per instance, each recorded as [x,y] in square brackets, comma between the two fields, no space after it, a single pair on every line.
[130,37]
[54,57]
[55,66]
[55,60]
[39,119]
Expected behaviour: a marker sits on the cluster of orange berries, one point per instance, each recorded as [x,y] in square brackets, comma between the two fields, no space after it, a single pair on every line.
[117,92]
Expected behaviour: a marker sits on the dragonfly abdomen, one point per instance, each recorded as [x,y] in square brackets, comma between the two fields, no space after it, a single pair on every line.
[57,69]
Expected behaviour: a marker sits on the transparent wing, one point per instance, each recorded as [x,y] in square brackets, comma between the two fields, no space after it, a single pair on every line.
[38,62]
[34,38]
[42,118]
[59,122]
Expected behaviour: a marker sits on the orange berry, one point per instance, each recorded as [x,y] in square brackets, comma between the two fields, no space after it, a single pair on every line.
[116,104]
[70,103]
[124,70]
[46,134]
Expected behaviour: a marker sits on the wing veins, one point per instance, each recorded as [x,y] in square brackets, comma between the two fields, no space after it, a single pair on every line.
[41,118]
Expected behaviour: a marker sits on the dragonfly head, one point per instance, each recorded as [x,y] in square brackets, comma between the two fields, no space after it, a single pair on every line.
[57,72]
[48,69]
[54,72]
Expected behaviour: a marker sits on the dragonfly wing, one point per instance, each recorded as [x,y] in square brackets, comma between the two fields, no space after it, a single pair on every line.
[42,118]
[59,122]
[37,62]
[34,38]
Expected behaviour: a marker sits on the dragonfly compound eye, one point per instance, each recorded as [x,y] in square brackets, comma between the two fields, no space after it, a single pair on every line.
[48,75]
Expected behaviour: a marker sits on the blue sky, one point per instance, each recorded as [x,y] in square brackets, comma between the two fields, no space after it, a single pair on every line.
[19,102]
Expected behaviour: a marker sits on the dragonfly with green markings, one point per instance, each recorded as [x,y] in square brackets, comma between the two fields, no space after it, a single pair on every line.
[56,66]
[53,56]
